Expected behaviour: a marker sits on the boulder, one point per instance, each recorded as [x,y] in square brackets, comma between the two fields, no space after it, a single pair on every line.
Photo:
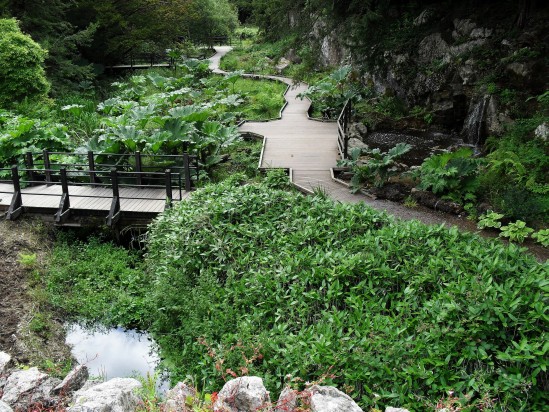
[5,360]
[287,401]
[245,394]
[330,399]
[115,395]
[4,407]
[283,63]
[176,397]
[542,131]
[74,381]
[391,409]
[463,28]
[432,47]
[423,17]
[432,201]
[26,387]
[358,130]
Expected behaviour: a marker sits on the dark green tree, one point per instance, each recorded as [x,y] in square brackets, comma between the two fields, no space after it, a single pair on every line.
[22,72]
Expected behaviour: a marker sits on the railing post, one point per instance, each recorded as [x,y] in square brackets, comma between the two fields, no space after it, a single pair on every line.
[16,205]
[169,195]
[30,166]
[47,166]
[187,172]
[63,211]
[91,168]
[138,168]
[114,212]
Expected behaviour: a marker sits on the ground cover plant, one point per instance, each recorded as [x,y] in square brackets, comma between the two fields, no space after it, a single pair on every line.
[250,279]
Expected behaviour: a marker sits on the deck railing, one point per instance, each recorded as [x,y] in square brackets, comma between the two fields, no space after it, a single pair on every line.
[129,171]
[343,130]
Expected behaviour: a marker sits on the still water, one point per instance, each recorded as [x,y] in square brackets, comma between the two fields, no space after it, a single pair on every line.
[113,353]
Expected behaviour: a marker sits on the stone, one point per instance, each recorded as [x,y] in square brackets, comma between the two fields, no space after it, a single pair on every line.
[463,28]
[423,17]
[355,143]
[176,397]
[358,130]
[293,57]
[391,409]
[28,386]
[245,394]
[542,132]
[287,401]
[4,407]
[481,33]
[5,360]
[519,69]
[74,381]
[283,63]
[115,395]
[432,47]
[330,399]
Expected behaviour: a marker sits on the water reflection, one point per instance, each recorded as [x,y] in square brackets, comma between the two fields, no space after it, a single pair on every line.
[113,353]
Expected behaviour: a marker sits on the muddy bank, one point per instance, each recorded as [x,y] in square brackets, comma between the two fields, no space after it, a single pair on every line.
[29,330]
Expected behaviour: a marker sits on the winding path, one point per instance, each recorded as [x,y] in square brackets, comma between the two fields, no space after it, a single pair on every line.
[309,149]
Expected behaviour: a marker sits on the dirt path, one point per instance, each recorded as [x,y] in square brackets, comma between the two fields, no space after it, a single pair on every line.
[309,149]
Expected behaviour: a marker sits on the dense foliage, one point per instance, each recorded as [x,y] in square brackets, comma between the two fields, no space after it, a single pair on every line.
[21,65]
[398,310]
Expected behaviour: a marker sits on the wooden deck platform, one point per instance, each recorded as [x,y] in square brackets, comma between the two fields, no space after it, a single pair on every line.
[136,204]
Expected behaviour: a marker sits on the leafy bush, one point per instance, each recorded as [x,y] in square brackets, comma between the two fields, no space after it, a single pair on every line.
[490,219]
[378,167]
[453,174]
[400,311]
[21,65]
[19,134]
[516,231]
[542,237]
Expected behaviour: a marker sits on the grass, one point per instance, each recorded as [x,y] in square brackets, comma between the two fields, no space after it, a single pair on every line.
[264,98]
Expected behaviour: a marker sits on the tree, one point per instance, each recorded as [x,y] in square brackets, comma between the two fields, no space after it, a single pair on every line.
[49,23]
[22,73]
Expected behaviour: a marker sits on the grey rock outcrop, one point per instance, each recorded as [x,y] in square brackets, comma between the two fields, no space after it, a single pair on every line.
[115,395]
[5,360]
[245,394]
[74,381]
[330,399]
[542,131]
[287,401]
[28,386]
[176,397]
[4,407]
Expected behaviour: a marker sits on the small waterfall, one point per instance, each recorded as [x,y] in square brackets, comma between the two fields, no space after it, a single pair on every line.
[473,127]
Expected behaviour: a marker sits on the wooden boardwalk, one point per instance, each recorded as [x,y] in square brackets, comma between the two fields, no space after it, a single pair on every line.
[309,149]
[137,200]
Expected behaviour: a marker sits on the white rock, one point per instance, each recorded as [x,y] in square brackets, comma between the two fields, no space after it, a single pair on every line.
[5,359]
[287,401]
[245,394]
[330,399]
[391,409]
[25,385]
[177,397]
[542,131]
[73,381]
[116,395]
[4,407]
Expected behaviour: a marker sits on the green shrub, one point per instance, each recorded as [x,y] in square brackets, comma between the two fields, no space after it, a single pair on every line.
[250,279]
[97,282]
[516,231]
[21,65]
[453,174]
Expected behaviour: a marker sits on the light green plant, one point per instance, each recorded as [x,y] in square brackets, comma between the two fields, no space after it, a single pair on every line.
[542,237]
[28,260]
[516,231]
[490,219]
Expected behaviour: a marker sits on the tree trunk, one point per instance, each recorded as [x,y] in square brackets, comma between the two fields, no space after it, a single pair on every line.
[525,7]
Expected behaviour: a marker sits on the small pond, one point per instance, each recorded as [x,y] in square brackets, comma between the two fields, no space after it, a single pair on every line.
[113,353]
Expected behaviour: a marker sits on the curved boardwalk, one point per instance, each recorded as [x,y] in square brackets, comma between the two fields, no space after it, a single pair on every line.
[309,149]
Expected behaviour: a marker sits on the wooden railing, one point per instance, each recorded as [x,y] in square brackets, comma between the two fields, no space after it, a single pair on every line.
[343,130]
[175,173]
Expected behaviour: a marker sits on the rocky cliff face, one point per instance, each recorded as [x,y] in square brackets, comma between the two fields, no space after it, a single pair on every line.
[472,72]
